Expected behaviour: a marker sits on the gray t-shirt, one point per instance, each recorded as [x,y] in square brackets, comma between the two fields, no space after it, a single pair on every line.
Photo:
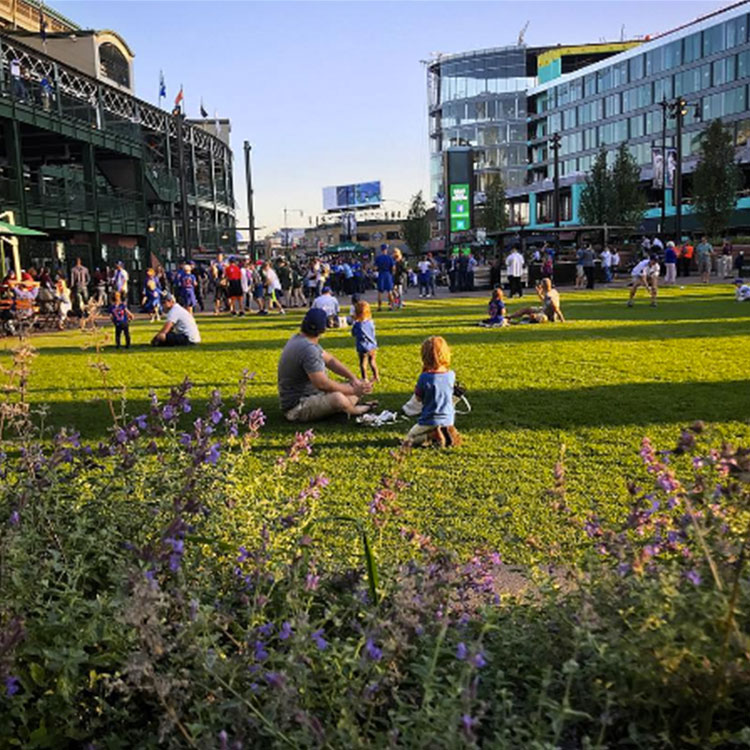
[183,322]
[299,358]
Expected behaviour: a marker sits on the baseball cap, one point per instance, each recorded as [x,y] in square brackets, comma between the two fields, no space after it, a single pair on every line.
[326,289]
[167,297]
[315,321]
[739,281]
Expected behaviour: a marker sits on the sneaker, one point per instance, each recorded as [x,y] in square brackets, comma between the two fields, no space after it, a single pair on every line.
[282,312]
[630,303]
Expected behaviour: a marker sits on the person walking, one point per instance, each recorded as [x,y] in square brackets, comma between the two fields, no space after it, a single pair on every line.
[670,263]
[704,251]
[79,280]
[514,268]
[120,280]
[725,269]
[606,258]
[588,265]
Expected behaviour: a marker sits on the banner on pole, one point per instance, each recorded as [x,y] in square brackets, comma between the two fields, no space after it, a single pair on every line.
[671,167]
[657,168]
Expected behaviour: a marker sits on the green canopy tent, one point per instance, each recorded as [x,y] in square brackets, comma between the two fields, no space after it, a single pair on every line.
[9,233]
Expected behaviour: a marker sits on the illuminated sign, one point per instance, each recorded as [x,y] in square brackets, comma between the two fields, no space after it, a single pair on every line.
[460,208]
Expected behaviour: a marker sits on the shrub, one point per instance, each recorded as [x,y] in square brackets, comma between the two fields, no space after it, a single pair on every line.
[169,587]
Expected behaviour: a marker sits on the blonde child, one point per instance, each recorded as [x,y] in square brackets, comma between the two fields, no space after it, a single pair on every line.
[435,390]
[363,330]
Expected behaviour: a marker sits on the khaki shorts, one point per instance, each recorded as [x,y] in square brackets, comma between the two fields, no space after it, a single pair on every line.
[312,408]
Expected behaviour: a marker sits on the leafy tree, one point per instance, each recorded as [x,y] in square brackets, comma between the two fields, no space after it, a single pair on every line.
[628,200]
[494,213]
[416,227]
[716,179]
[597,196]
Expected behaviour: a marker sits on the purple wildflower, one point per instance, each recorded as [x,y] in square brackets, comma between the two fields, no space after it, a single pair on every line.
[223,739]
[370,690]
[468,723]
[11,685]
[275,679]
[320,642]
[372,651]
[167,412]
[215,416]
[311,582]
[461,651]
[213,455]
[285,632]
[121,436]
[15,518]
[260,651]
[694,577]
[478,660]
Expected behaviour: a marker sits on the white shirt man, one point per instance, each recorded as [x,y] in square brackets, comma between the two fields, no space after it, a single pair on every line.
[179,329]
[327,302]
[606,257]
[743,291]
[514,266]
[645,273]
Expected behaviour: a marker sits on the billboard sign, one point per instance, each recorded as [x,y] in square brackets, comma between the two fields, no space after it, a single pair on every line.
[459,208]
[358,195]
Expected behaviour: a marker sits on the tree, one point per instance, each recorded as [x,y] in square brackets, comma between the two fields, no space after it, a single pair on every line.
[628,200]
[716,179]
[494,214]
[597,196]
[416,227]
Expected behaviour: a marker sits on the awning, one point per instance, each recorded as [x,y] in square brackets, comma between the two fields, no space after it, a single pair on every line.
[17,231]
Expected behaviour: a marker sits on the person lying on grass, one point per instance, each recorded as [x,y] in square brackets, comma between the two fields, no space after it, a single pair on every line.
[550,311]
[496,311]
[435,390]
[306,393]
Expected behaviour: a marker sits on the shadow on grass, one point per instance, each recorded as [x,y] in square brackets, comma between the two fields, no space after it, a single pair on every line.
[605,406]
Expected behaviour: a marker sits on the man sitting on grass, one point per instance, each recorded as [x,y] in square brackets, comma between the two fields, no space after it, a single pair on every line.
[743,291]
[550,311]
[306,393]
[179,329]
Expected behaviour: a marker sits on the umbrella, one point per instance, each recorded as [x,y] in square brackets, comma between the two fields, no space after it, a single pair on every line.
[17,231]
[347,247]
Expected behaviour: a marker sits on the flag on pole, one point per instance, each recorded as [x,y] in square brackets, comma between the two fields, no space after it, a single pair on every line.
[178,99]
[204,114]
[42,24]
[162,86]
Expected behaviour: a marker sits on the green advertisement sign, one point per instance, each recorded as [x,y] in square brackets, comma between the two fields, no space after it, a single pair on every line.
[460,205]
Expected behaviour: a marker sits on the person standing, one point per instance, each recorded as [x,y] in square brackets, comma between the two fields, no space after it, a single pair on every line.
[514,268]
[646,274]
[703,253]
[121,318]
[580,273]
[425,270]
[615,263]
[273,288]
[739,262]
[79,280]
[384,265]
[399,278]
[670,264]
[120,280]
[588,265]
[726,259]
[606,258]
[233,275]
[686,256]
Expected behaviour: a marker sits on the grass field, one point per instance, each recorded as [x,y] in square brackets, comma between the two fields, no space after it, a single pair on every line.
[597,384]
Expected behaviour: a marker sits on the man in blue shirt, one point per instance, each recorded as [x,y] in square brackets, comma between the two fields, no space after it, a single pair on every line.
[384,264]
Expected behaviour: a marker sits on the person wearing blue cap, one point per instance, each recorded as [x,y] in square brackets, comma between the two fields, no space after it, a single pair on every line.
[384,263]
[306,392]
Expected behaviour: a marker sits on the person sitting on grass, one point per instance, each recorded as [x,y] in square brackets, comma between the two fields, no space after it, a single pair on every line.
[496,312]
[306,393]
[179,329]
[549,312]
[329,305]
[363,330]
[742,293]
[435,390]
[121,317]
[646,274]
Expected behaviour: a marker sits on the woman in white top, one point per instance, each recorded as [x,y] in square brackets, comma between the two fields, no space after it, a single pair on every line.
[273,287]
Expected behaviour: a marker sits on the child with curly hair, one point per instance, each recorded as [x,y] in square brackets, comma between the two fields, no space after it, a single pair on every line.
[435,390]
[363,330]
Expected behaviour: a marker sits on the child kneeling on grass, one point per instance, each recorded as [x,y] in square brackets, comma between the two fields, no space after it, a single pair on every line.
[496,311]
[435,390]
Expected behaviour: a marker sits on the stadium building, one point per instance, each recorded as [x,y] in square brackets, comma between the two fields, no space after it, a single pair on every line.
[105,175]
[509,103]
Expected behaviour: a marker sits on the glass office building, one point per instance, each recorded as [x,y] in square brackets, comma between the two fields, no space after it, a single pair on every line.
[620,100]
[592,96]
[478,99]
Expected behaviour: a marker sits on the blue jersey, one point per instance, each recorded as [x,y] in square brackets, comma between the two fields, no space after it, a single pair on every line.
[384,263]
[119,314]
[435,390]
[497,309]
[364,336]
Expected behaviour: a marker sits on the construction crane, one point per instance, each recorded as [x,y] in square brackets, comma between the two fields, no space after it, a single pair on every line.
[522,33]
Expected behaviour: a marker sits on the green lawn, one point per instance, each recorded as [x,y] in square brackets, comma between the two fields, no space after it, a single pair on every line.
[598,384]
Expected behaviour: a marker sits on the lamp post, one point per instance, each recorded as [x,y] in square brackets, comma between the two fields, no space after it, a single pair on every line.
[250,209]
[184,208]
[555,146]
[286,227]
[664,107]
[678,109]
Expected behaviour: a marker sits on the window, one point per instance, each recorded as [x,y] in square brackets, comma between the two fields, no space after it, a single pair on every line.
[663,89]
[113,64]
[636,67]
[554,123]
[604,80]
[569,118]
[606,134]
[620,74]
[714,40]
[654,121]
[589,139]
[691,48]
[673,55]
[563,95]
[589,84]
[620,131]
[612,105]
[629,100]
[655,61]
[637,128]
[718,73]
[736,31]
[743,64]
[645,95]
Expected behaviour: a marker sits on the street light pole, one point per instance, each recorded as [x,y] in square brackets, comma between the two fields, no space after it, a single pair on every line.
[680,111]
[555,146]
[184,208]
[664,106]
[286,227]
[250,210]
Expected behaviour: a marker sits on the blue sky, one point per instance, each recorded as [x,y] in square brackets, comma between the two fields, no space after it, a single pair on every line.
[334,92]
